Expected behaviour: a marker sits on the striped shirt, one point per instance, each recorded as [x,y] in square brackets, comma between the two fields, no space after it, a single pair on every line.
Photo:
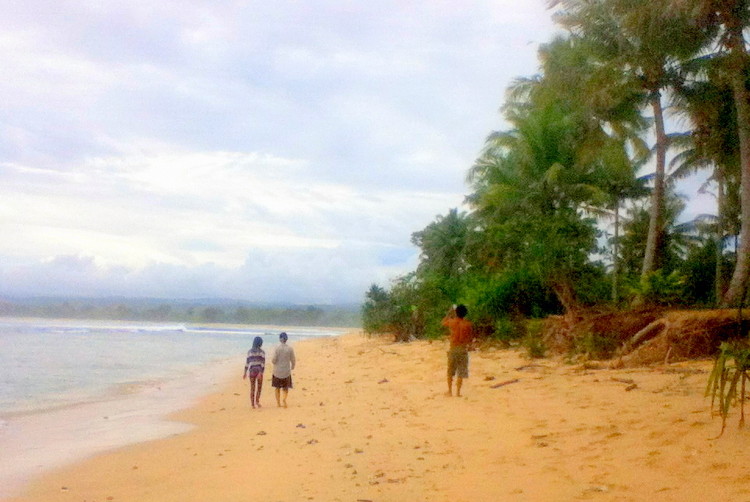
[256,360]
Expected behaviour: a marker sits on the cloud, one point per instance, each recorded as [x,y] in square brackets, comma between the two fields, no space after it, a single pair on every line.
[290,275]
[261,150]
[190,224]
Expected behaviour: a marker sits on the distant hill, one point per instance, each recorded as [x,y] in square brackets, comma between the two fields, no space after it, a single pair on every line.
[201,310]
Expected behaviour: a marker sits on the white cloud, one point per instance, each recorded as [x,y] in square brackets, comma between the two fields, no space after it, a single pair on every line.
[262,150]
[222,221]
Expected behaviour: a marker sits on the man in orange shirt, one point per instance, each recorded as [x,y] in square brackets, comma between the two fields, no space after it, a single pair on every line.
[460,338]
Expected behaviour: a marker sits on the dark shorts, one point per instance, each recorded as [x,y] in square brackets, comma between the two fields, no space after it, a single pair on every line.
[458,362]
[281,383]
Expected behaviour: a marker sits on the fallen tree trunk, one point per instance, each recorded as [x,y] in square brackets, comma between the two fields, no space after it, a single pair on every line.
[643,335]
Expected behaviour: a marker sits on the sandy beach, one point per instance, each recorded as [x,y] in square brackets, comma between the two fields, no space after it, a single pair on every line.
[368,420]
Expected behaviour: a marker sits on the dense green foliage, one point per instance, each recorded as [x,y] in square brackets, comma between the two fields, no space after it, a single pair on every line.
[570,206]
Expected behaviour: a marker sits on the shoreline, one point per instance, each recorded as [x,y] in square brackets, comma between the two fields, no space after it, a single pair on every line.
[116,391]
[73,410]
[368,420]
[37,441]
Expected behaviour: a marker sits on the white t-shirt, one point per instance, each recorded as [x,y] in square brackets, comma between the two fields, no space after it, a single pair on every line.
[283,361]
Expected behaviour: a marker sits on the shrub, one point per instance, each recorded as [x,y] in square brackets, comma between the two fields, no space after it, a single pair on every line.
[660,289]
[533,340]
[595,345]
[509,330]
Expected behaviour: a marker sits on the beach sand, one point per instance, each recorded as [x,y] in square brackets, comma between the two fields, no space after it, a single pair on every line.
[368,420]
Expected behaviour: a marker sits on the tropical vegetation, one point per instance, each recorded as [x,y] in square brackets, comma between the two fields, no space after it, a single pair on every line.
[574,204]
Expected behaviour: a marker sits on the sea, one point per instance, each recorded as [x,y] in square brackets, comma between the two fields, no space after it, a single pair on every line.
[70,389]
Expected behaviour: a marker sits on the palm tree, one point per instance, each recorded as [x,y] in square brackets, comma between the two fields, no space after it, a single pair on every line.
[530,193]
[707,101]
[442,258]
[620,189]
[610,107]
[674,239]
[727,20]
[641,43]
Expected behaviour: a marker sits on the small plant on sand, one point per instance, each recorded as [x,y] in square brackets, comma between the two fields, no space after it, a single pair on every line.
[533,340]
[728,379]
[595,345]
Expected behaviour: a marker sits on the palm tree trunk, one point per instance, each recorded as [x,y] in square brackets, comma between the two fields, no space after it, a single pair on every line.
[616,255]
[719,270]
[657,196]
[738,284]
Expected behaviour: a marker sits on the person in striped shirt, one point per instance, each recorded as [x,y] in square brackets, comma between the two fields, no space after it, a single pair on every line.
[255,365]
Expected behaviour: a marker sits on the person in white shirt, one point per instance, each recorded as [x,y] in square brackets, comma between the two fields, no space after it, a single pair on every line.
[283,364]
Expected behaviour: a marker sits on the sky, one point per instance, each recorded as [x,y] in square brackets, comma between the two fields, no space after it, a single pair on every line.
[277,151]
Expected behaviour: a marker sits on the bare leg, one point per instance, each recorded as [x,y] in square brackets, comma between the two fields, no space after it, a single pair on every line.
[286,392]
[252,391]
[278,396]
[257,394]
[450,386]
[459,382]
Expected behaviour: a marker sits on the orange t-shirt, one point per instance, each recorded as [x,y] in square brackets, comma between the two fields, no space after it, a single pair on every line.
[460,331]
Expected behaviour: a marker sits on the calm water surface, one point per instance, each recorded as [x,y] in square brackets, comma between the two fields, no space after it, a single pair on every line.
[47,364]
[70,389]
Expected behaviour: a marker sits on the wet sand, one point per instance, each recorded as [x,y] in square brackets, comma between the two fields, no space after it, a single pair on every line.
[33,443]
[368,420]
